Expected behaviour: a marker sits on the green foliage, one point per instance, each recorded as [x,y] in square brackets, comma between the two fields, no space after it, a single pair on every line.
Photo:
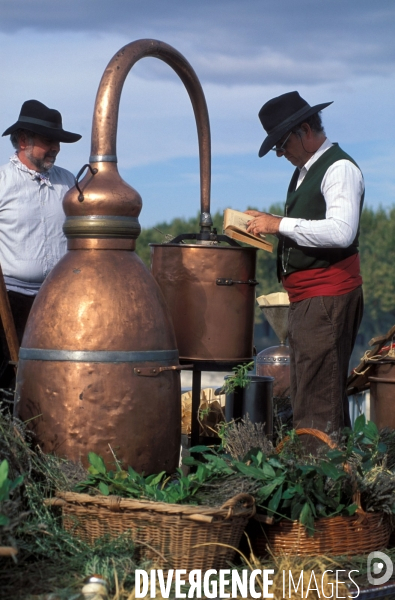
[239,379]
[288,484]
[377,248]
[295,486]
[293,490]
[6,487]
[178,489]
[365,444]
[298,491]
[371,453]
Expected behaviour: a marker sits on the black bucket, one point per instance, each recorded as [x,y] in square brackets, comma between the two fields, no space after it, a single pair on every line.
[254,400]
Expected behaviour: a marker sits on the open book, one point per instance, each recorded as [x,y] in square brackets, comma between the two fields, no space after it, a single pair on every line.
[235,226]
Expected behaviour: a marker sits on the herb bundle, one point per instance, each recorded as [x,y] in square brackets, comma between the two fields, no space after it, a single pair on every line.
[177,489]
[295,486]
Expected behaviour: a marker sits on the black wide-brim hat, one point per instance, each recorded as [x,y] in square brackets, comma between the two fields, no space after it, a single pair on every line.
[279,115]
[37,117]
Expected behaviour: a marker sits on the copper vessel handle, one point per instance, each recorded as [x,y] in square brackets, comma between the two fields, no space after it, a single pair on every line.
[155,371]
[77,179]
[105,118]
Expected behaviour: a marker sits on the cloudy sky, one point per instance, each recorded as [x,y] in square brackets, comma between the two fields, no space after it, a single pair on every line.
[244,52]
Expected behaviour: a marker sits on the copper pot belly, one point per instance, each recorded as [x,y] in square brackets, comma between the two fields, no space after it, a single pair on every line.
[98,320]
[210,292]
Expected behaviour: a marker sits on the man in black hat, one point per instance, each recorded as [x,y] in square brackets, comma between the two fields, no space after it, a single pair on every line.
[31,212]
[317,258]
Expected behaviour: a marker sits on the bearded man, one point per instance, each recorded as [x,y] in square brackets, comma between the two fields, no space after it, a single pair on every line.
[31,212]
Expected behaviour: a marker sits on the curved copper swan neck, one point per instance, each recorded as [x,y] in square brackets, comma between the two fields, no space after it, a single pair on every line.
[105,119]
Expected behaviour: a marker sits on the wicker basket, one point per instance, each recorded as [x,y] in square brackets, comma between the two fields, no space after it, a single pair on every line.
[171,535]
[358,534]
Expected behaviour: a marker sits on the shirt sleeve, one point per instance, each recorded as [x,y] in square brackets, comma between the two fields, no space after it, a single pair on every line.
[342,188]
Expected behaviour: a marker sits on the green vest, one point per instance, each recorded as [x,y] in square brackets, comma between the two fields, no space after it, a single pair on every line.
[307,202]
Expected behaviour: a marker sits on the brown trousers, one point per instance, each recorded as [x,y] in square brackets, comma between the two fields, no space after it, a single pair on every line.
[322,333]
[20,308]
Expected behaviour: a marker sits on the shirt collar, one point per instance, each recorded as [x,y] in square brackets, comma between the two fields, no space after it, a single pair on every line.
[323,148]
[43,178]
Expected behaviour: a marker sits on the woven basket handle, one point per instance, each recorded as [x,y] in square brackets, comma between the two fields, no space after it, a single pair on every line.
[332,445]
[54,502]
[248,504]
[314,432]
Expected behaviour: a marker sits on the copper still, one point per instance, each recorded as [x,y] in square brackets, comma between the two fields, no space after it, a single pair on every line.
[275,361]
[99,364]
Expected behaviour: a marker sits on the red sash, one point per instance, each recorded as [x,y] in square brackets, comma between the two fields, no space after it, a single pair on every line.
[338,279]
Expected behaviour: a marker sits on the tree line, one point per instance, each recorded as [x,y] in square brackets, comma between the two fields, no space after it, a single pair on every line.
[377,251]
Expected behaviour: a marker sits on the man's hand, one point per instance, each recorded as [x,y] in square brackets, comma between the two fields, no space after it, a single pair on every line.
[262,223]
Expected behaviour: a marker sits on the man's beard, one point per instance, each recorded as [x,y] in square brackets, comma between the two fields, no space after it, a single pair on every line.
[41,164]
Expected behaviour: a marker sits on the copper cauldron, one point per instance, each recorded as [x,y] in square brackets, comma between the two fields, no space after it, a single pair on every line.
[98,367]
[210,291]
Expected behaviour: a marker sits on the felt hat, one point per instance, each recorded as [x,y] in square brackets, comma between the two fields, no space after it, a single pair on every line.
[279,115]
[37,117]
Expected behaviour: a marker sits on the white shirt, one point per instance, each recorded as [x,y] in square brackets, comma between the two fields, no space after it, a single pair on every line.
[342,188]
[31,220]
